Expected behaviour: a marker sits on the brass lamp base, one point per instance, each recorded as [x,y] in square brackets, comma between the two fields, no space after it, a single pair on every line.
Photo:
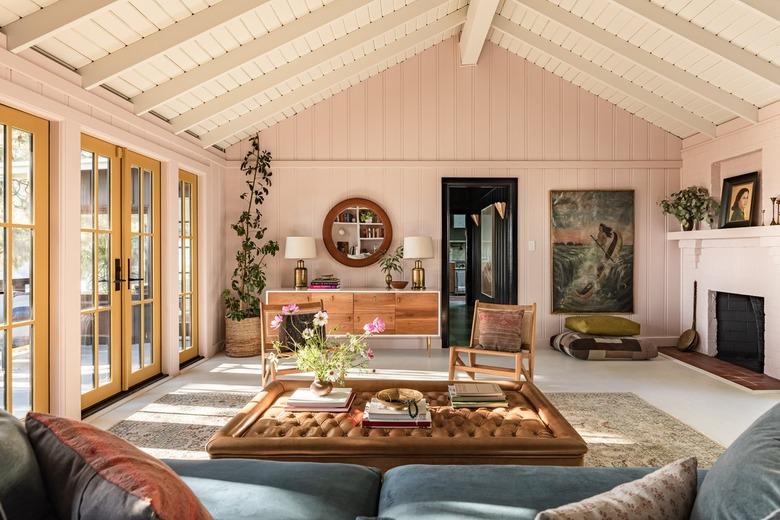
[301,276]
[418,276]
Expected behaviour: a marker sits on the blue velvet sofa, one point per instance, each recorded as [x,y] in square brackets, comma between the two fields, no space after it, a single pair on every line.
[744,484]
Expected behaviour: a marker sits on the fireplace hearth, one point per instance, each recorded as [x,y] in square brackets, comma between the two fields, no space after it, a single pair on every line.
[740,330]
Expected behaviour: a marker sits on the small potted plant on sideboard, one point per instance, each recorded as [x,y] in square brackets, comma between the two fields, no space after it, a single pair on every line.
[390,263]
[242,300]
[690,206]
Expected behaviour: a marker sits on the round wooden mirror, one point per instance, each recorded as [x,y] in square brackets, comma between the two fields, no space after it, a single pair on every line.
[357,232]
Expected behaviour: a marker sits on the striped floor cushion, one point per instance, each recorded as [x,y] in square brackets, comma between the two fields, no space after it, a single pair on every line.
[599,348]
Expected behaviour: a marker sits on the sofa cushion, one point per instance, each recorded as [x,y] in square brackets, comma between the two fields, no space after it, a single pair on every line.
[92,474]
[666,493]
[239,489]
[22,492]
[492,492]
[745,481]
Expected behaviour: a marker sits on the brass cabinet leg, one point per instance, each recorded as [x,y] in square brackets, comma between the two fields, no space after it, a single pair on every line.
[428,345]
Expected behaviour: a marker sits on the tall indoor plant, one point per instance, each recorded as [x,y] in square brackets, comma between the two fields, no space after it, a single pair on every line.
[242,300]
[690,205]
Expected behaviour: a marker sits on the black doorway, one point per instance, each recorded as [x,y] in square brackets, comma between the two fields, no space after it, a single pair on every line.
[479,250]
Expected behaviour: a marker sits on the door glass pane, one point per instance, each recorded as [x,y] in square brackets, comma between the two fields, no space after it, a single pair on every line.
[21,164]
[2,173]
[148,274]
[135,268]
[181,184]
[87,189]
[3,404]
[104,347]
[181,265]
[104,269]
[187,207]
[22,275]
[21,375]
[87,352]
[181,323]
[187,321]
[2,276]
[147,201]
[148,334]
[187,267]
[104,193]
[135,199]
[135,338]
[87,266]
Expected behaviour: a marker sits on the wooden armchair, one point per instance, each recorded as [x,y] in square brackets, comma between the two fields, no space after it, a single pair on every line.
[528,351]
[268,335]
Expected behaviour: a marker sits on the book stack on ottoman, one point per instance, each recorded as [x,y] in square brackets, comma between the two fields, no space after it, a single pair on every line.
[379,415]
[477,395]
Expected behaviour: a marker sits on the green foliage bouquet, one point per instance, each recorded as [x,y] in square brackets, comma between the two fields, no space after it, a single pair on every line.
[690,205]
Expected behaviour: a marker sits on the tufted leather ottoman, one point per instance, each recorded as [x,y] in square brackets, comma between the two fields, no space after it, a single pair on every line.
[529,431]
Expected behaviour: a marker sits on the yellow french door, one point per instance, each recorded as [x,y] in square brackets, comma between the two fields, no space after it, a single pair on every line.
[24,262]
[101,304]
[141,254]
[120,269]
[188,266]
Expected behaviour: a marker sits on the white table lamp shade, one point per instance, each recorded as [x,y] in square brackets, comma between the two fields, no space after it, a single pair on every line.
[416,248]
[299,248]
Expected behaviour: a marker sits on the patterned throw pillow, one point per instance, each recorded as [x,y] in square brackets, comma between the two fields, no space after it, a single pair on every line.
[91,474]
[667,493]
[500,330]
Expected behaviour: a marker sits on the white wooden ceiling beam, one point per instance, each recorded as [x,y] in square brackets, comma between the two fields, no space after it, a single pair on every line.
[44,23]
[605,76]
[237,57]
[333,79]
[298,66]
[703,38]
[646,60]
[110,66]
[475,31]
[768,8]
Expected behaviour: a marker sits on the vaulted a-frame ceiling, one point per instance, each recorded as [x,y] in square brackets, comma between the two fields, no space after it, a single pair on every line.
[222,70]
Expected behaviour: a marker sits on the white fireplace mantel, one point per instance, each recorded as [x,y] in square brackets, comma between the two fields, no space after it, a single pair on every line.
[736,260]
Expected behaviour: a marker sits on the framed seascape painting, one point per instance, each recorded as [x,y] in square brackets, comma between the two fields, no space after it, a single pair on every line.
[738,201]
[592,251]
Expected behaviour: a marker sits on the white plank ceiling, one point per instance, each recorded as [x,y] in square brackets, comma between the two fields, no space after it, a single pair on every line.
[223,70]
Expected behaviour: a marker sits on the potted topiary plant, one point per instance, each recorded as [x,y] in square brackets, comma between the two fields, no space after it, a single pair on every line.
[689,206]
[391,262]
[242,300]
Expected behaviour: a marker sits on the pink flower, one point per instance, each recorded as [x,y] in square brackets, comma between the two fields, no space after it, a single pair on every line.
[290,308]
[277,321]
[376,326]
[369,354]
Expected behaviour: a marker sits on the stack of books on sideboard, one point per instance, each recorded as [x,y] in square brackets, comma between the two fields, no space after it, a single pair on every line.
[325,282]
[379,415]
[477,395]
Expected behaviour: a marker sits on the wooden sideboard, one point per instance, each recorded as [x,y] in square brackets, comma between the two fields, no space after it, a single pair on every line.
[406,313]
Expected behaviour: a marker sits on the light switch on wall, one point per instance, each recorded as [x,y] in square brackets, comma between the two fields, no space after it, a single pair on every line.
[532,245]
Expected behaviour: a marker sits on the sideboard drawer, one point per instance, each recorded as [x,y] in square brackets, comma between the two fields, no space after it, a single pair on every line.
[375,300]
[368,315]
[417,313]
[284,298]
[340,323]
[333,302]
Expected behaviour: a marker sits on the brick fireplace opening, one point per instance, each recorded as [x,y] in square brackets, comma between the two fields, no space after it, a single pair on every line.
[740,330]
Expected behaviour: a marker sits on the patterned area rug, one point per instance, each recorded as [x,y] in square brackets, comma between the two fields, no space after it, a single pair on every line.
[620,428]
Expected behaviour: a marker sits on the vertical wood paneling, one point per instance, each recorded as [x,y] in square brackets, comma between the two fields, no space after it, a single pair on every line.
[504,108]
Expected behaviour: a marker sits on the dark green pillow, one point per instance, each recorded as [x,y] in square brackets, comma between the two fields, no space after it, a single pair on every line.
[601,325]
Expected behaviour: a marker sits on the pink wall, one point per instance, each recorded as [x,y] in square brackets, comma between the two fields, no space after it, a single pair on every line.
[428,108]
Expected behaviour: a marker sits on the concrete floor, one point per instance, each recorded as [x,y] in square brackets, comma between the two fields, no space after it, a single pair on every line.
[715,408]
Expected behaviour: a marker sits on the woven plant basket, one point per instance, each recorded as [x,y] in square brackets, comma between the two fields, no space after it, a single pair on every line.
[242,338]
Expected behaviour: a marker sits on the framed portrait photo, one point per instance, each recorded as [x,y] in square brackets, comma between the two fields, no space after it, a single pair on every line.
[738,201]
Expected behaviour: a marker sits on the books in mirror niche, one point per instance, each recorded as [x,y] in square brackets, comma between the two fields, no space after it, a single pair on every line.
[477,395]
[304,400]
